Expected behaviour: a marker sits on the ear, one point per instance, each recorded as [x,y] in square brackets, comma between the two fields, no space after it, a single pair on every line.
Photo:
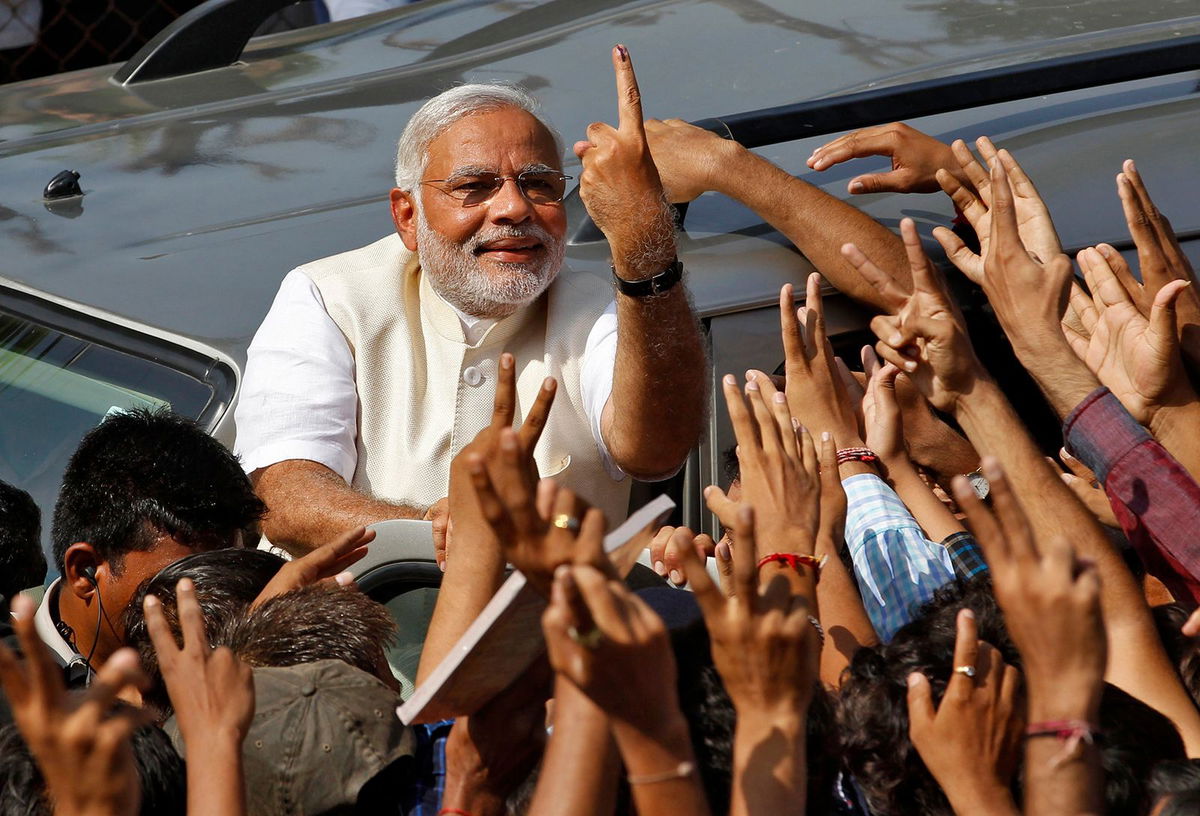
[78,557]
[404,215]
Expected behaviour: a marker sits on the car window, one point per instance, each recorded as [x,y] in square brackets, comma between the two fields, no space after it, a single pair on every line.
[55,387]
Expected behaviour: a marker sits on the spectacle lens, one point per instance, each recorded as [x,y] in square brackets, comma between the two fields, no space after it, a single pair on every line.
[538,186]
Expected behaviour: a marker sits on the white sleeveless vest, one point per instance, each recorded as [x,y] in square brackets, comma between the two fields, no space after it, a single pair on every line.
[424,392]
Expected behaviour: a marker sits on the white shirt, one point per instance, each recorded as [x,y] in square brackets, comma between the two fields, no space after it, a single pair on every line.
[298,399]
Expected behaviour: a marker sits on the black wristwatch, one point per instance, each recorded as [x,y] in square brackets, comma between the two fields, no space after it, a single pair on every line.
[649,287]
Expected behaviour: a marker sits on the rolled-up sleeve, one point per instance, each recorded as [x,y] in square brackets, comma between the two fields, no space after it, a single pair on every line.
[896,567]
[1155,499]
[298,399]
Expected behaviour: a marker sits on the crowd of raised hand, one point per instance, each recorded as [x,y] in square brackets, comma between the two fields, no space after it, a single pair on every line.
[912,609]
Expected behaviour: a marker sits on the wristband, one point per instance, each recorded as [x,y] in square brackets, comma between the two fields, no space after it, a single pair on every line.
[816,624]
[1069,732]
[649,287]
[795,561]
[856,455]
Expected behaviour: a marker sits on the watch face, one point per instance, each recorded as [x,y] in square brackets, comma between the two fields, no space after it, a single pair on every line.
[980,485]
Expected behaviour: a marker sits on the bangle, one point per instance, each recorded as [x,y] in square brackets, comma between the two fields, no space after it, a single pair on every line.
[1069,732]
[856,455]
[682,770]
[795,561]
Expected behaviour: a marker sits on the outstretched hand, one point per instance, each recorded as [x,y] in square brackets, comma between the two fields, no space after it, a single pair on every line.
[779,471]
[465,513]
[1137,358]
[82,745]
[620,185]
[328,562]
[978,717]
[916,158]
[924,337]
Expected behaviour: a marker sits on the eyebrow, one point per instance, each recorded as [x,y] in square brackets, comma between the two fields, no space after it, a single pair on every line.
[480,170]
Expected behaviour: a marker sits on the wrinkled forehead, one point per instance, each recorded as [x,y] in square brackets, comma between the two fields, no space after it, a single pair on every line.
[507,140]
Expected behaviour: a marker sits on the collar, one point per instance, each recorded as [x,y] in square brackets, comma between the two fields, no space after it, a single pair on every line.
[46,622]
[473,327]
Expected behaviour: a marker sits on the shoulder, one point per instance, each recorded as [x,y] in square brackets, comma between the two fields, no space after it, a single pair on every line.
[385,256]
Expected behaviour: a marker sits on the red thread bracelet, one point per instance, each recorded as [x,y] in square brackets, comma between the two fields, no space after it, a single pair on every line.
[1069,732]
[795,561]
[856,455]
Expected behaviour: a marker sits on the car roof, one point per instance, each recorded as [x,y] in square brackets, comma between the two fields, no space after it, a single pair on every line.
[203,191]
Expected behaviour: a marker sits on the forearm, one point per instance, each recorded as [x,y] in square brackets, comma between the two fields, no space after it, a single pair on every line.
[566,785]
[1058,783]
[655,413]
[769,764]
[1175,429]
[309,505]
[933,516]
[847,627]
[816,222]
[215,779]
[658,753]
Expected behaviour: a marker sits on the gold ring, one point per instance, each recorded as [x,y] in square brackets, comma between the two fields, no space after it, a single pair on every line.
[564,521]
[589,639]
[968,671]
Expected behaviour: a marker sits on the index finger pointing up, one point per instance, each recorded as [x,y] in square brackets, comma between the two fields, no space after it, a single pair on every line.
[629,98]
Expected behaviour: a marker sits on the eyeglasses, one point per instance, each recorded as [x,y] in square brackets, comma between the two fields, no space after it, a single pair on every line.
[538,186]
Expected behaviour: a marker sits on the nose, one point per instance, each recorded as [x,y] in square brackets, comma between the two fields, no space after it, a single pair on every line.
[509,205]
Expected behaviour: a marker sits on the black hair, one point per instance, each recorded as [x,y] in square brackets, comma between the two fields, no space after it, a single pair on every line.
[1185,803]
[227,582]
[160,769]
[142,474]
[873,706]
[316,622]
[1175,776]
[1136,739]
[1183,651]
[22,564]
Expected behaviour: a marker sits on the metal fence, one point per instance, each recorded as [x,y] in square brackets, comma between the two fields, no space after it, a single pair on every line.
[40,37]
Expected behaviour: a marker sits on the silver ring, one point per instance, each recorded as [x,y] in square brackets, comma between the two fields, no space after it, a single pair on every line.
[589,639]
[969,671]
[565,521]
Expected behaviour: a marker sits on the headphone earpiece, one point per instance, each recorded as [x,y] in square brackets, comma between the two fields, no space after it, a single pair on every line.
[90,574]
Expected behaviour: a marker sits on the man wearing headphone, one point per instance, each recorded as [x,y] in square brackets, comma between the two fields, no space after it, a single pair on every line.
[143,490]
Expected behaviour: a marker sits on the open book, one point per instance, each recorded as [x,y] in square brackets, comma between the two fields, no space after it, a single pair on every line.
[507,636]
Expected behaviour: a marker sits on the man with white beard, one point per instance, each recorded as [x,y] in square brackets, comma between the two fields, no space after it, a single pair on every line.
[375,367]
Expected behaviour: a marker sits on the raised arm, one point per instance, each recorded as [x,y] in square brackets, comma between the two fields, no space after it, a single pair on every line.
[654,415]
[692,161]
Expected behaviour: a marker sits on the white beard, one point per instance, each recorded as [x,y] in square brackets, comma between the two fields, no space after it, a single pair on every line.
[455,271]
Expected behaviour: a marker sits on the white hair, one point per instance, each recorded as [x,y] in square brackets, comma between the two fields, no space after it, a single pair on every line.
[443,110]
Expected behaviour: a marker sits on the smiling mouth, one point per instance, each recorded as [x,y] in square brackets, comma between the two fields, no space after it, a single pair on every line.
[519,248]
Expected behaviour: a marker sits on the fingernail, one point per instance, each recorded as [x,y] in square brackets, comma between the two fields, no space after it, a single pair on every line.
[660,568]
[752,386]
[967,613]
[729,379]
[1129,165]
[506,361]
[344,578]
[150,600]
[910,366]
[722,550]
[749,374]
[562,571]
[676,577]
[780,399]
[622,52]
[991,468]
[913,680]
[825,436]
[856,187]
[895,340]
[795,422]
[442,565]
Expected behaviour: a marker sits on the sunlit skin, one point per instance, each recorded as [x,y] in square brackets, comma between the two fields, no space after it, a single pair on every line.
[507,141]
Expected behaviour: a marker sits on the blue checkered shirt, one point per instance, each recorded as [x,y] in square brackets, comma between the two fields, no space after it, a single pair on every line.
[424,797]
[897,568]
[965,554]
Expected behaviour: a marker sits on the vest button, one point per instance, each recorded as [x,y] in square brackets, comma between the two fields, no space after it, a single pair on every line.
[472,376]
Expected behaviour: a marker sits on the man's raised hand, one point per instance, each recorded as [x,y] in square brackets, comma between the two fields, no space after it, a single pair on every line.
[328,562]
[620,185]
[916,158]
[925,337]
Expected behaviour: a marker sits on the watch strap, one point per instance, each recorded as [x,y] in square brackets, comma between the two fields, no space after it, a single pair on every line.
[649,287]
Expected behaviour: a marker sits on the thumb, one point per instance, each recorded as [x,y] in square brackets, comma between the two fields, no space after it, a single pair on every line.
[1163,322]
[921,712]
[878,183]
